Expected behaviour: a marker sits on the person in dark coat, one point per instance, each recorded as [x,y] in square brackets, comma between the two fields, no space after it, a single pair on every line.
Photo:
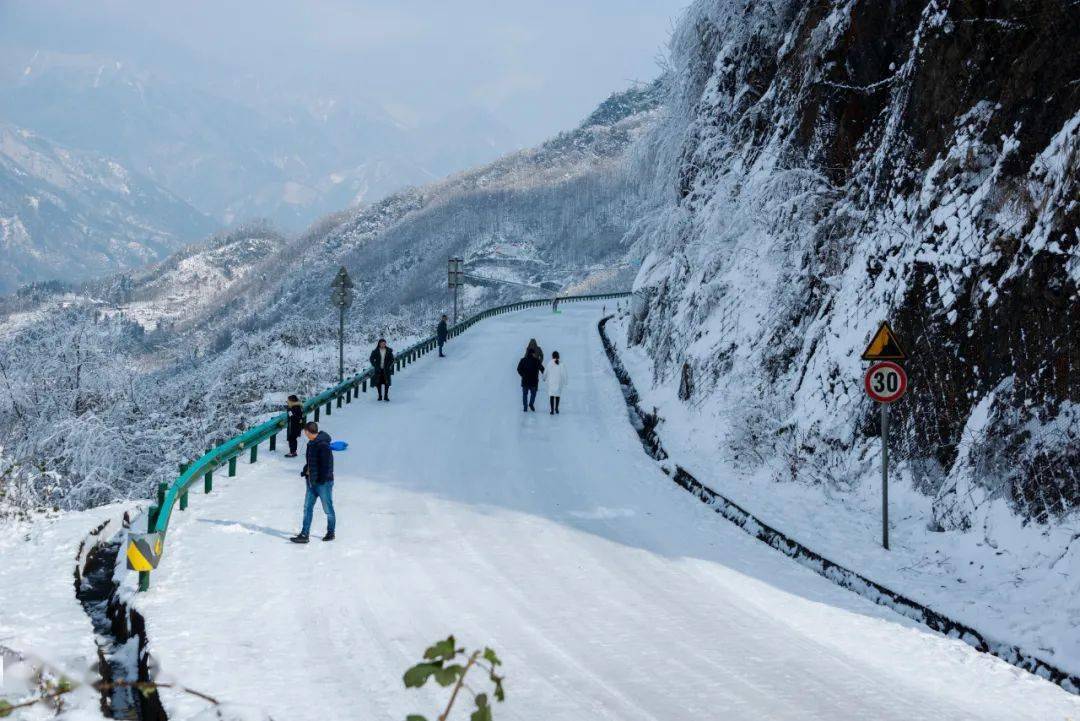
[529,368]
[382,360]
[319,474]
[440,334]
[535,349]
[295,410]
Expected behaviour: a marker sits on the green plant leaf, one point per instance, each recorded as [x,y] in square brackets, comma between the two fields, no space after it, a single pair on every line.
[483,710]
[6,709]
[442,650]
[446,676]
[500,695]
[418,675]
[490,657]
[415,717]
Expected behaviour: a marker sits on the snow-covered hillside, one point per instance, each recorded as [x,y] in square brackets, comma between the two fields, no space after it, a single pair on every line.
[116,381]
[71,215]
[824,166]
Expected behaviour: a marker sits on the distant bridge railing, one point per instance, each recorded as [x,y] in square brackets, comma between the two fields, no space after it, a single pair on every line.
[169,495]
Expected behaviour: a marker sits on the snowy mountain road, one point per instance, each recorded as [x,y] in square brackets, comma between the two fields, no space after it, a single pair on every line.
[609,592]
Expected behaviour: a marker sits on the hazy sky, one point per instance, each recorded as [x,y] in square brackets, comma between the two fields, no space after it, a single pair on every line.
[539,66]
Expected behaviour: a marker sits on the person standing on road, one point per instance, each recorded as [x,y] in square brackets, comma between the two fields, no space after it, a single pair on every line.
[295,410]
[529,368]
[382,360]
[319,473]
[440,334]
[555,378]
[535,348]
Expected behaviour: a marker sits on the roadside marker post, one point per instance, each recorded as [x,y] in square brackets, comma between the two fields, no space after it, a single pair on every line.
[885,382]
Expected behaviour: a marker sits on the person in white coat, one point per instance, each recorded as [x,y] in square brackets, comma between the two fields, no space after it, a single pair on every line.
[555,378]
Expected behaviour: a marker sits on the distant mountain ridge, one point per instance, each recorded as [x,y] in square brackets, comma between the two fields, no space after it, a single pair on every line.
[71,215]
[286,159]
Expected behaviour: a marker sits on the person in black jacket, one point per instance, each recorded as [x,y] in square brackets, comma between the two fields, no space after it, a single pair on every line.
[529,368]
[319,473]
[295,410]
[382,360]
[440,334]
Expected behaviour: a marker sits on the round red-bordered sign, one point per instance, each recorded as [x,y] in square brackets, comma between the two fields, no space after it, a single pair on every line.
[885,382]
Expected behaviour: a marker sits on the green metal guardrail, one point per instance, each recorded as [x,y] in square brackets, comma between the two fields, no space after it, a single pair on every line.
[226,454]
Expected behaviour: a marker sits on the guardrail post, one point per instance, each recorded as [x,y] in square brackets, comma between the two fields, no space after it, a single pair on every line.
[232,466]
[151,518]
[339,401]
[329,409]
[273,443]
[316,414]
[183,501]
[161,490]
[208,482]
[254,453]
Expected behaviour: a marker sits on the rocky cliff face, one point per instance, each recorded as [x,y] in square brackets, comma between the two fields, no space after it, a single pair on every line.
[825,165]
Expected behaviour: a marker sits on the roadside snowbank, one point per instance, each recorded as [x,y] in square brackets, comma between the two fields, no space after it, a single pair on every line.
[40,617]
[1009,580]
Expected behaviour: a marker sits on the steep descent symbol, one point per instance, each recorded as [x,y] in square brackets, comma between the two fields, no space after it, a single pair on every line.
[884,346]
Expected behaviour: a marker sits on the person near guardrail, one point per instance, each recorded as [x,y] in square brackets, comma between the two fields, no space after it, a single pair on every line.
[555,378]
[296,420]
[440,334]
[529,368]
[382,360]
[319,474]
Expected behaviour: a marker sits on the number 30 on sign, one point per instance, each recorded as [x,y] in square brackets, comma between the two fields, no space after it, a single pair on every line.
[885,382]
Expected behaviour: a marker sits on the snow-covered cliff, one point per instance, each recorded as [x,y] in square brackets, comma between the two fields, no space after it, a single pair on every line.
[825,165]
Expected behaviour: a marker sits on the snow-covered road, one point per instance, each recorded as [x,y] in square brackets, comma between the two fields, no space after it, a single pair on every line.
[609,592]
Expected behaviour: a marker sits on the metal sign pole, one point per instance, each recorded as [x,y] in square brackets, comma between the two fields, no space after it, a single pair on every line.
[455,303]
[885,475]
[342,297]
[341,344]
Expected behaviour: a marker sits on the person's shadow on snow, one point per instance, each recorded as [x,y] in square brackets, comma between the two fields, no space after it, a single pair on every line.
[252,527]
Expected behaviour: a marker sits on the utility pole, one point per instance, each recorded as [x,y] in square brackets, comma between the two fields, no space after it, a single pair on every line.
[342,297]
[455,279]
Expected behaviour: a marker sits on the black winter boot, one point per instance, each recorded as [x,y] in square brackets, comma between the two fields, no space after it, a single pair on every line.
[300,538]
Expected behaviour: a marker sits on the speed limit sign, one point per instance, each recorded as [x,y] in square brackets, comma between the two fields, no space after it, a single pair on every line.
[885,382]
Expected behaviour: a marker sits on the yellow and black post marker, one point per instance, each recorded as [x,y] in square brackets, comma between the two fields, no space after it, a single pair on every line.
[143,555]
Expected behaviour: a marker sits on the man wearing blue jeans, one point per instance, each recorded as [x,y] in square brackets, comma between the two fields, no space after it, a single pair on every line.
[529,368]
[319,472]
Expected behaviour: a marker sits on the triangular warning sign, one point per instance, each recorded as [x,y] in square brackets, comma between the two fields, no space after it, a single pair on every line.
[885,346]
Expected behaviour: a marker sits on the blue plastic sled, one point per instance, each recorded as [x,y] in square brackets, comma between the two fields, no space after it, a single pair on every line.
[339,445]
